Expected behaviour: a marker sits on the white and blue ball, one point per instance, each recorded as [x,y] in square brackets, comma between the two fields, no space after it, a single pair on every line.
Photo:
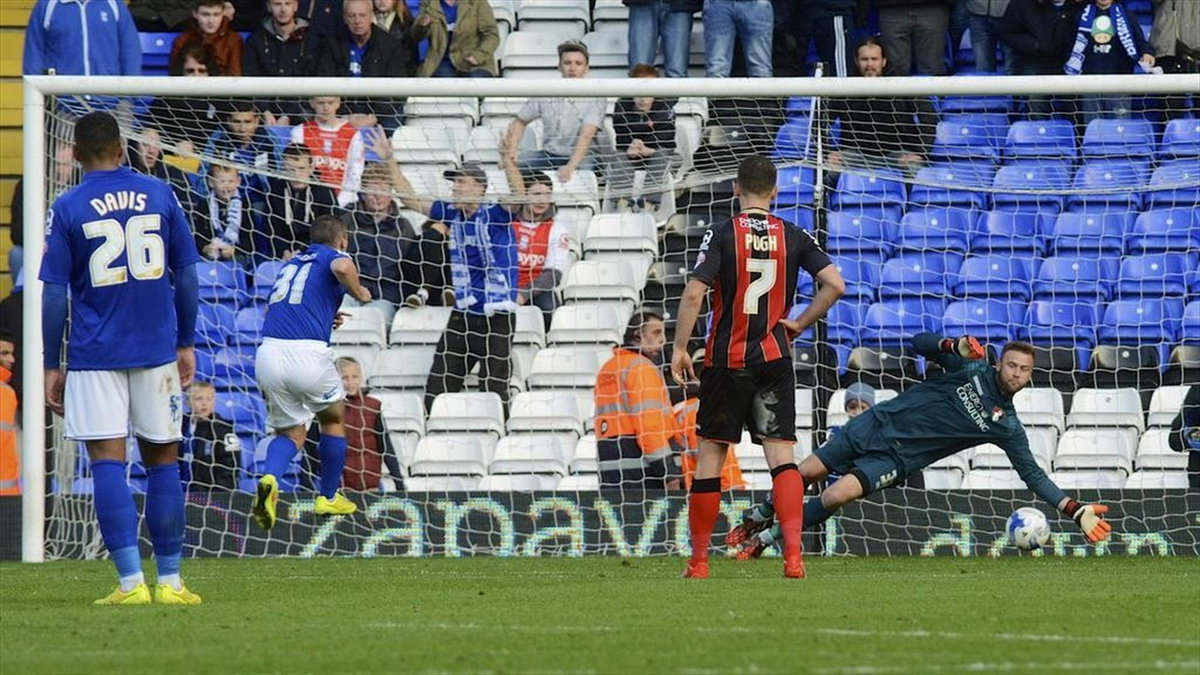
[1028,529]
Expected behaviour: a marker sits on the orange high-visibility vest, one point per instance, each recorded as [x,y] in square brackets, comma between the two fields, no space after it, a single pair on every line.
[685,418]
[10,458]
[632,400]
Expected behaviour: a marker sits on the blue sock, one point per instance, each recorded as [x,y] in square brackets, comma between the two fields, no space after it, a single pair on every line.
[280,451]
[815,513]
[117,515]
[333,460]
[165,517]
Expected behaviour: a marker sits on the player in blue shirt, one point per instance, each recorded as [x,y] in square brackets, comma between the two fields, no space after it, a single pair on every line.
[295,365]
[122,244]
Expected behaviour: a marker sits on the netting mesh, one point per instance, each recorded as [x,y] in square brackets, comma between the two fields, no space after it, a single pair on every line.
[953,215]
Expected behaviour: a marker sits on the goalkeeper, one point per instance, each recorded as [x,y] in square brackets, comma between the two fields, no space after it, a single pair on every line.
[969,404]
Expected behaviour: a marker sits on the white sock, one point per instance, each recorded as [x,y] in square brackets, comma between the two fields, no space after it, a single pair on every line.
[171,580]
[128,583]
[766,537]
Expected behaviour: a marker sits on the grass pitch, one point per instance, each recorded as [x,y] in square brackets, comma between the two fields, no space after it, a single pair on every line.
[854,616]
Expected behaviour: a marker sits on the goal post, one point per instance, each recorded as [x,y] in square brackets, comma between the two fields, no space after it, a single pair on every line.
[509,524]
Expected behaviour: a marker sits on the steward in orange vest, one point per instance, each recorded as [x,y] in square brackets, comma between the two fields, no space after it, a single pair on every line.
[10,457]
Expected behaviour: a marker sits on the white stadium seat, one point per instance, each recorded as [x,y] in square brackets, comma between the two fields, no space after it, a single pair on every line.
[1090,479]
[618,235]
[990,456]
[403,368]
[1165,404]
[362,326]
[942,479]
[602,280]
[608,49]
[837,416]
[441,483]
[1040,407]
[614,11]
[1157,480]
[416,145]
[532,453]
[804,409]
[589,323]
[545,411]
[959,461]
[583,190]
[1154,452]
[1095,444]
[757,480]
[518,483]
[466,412]
[1043,443]
[580,483]
[453,455]
[402,411]
[504,107]
[585,460]
[529,53]
[1106,408]
[419,326]
[565,18]
[437,106]
[992,479]
[750,456]
[567,367]
[529,328]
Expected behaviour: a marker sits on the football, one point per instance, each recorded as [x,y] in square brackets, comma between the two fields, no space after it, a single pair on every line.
[1028,529]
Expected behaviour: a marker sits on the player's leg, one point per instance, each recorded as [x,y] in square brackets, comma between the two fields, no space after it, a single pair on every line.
[773,423]
[332,449]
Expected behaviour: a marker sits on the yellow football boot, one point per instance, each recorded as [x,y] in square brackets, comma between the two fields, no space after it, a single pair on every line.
[140,595]
[164,594]
[265,501]
[338,506]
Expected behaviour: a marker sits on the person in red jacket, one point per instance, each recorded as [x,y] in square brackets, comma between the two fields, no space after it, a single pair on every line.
[210,27]
[368,447]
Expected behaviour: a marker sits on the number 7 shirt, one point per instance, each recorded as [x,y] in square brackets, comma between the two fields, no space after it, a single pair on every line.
[752,263]
[112,239]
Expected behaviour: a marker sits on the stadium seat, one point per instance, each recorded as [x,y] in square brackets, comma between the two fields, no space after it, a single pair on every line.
[1157,480]
[518,483]
[529,53]
[453,454]
[567,367]
[248,326]
[918,273]
[1107,185]
[532,454]
[1095,479]
[264,279]
[403,368]
[1191,322]
[567,18]
[937,229]
[954,105]
[1088,233]
[1154,451]
[836,415]
[1068,277]
[1174,184]
[990,456]
[750,456]
[436,484]
[619,235]
[1036,139]
[1140,321]
[1162,230]
[1155,274]
[466,108]
[602,280]
[589,323]
[221,281]
[892,323]
[1049,181]
[156,52]
[545,411]
[943,479]
[979,480]
[204,362]
[873,231]
[860,273]
[580,483]
[1165,404]
[950,185]
[1004,276]
[876,189]
[1096,448]
[1040,407]
[1181,138]
[993,321]
[1008,231]
[419,326]
[1107,408]
[794,140]
[795,185]
[585,459]
[530,327]
[844,320]
[968,137]
[233,368]
[609,15]
[414,145]
[246,411]
[466,412]
[1106,137]
[215,324]
[402,412]
[362,326]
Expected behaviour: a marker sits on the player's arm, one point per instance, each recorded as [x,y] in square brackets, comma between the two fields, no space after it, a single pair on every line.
[1089,517]
[831,287]
[54,324]
[949,353]
[187,305]
[346,272]
[706,271]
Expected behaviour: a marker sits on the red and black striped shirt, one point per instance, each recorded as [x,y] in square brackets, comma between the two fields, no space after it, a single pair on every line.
[752,263]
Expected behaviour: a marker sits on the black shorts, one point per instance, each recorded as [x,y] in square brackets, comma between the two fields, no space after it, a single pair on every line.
[759,398]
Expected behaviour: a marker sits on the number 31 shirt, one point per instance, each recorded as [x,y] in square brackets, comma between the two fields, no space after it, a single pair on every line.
[306,296]
[752,263]
[112,239]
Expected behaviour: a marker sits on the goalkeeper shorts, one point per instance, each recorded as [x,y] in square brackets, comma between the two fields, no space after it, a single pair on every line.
[860,450]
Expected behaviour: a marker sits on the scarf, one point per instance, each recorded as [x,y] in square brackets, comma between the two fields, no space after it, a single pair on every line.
[498,290]
[291,196]
[1074,64]
[230,230]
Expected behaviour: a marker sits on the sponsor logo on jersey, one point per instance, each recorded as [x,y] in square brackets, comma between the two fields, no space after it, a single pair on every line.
[997,414]
[973,405]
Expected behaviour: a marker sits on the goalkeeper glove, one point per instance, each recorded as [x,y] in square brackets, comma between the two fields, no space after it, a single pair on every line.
[1090,518]
[965,346]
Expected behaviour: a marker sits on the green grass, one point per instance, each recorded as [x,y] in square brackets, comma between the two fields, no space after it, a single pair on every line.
[857,616]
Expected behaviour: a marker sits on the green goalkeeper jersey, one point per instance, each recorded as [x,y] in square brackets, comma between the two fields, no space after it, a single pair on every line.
[955,410]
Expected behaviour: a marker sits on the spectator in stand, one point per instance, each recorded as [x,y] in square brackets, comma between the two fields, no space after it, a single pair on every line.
[283,46]
[543,243]
[914,34]
[210,441]
[1176,29]
[984,19]
[827,22]
[361,49]
[1040,34]
[665,23]
[242,141]
[294,202]
[1185,434]
[569,125]
[145,156]
[210,27]
[645,134]
[482,254]
[382,242]
[395,18]
[221,224]
[161,16]
[368,446]
[52,39]
[462,35]
[13,319]
[892,132]
[324,16]
[335,146]
[10,454]
[752,22]
[185,121]
[1109,42]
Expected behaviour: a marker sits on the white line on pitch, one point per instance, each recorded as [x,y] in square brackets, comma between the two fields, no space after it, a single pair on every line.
[1032,637]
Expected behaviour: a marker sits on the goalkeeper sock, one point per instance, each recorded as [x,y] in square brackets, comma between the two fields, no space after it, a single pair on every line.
[764,511]
[280,451]
[704,503]
[772,535]
[815,513]
[787,486]
[118,519]
[333,460]
[165,520]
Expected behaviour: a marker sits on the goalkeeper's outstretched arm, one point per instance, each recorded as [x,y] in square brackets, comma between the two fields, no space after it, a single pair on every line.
[1089,517]
[949,353]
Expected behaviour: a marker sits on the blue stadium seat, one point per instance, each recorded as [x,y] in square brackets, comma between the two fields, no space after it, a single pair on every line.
[1190,333]
[861,274]
[845,319]
[1154,274]
[950,105]
[919,273]
[1081,233]
[1175,183]
[1166,230]
[249,325]
[1065,277]
[221,281]
[1108,184]
[264,279]
[938,229]
[794,140]
[989,320]
[892,323]
[968,137]
[875,189]
[1181,138]
[799,214]
[156,52]
[1032,139]
[854,231]
[1048,179]
[214,324]
[246,411]
[1059,321]
[1141,321]
[798,106]
[233,368]
[950,185]
[204,363]
[994,276]
[1009,231]
[795,185]
[1118,138]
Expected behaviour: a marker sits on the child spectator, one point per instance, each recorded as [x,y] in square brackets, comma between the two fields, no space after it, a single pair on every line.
[335,146]
[463,38]
[645,134]
[1108,42]
[368,446]
[294,202]
[382,242]
[219,222]
[210,440]
[210,27]
[543,244]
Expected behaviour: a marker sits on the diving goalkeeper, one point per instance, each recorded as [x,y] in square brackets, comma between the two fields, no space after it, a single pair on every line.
[969,404]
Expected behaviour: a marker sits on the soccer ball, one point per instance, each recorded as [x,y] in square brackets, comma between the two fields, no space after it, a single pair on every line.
[1028,529]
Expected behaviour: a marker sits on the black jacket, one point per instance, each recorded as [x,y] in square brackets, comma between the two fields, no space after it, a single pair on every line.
[879,126]
[269,55]
[911,3]
[656,128]
[214,449]
[1188,417]
[384,56]
[290,214]
[1040,34]
[381,250]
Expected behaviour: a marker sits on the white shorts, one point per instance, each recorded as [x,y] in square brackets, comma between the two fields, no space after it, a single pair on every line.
[298,379]
[103,404]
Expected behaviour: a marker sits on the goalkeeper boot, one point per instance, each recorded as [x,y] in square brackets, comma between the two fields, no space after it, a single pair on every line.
[138,595]
[338,506]
[751,549]
[746,530]
[265,502]
[696,569]
[165,594]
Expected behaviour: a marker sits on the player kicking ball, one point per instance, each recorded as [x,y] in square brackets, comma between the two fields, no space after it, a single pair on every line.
[117,240]
[752,263]
[295,366]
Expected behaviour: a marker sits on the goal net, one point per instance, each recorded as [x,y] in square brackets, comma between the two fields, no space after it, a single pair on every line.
[1004,208]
